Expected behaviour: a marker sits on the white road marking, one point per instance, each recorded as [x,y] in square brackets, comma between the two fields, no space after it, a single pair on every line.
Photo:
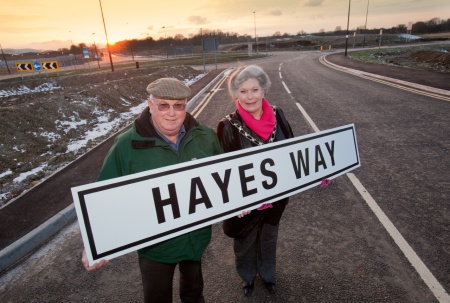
[426,275]
[287,89]
[416,262]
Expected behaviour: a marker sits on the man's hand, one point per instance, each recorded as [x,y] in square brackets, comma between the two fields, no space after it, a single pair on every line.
[244,213]
[85,262]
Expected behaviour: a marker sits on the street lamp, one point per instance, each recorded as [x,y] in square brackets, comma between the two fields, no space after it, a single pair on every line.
[165,38]
[131,45]
[348,21]
[71,41]
[4,58]
[96,53]
[365,26]
[256,41]
[106,34]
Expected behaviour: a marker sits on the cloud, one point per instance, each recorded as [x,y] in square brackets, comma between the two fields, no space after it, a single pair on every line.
[197,20]
[274,12]
[314,3]
[150,28]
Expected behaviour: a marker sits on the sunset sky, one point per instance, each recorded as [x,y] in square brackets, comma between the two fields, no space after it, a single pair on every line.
[53,24]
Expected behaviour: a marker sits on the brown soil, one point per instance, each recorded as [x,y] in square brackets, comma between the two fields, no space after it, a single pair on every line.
[428,60]
[79,99]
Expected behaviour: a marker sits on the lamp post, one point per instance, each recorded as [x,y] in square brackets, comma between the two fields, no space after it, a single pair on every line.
[96,53]
[165,39]
[203,51]
[4,58]
[131,45]
[71,41]
[70,50]
[256,41]
[106,34]
[365,26]
[348,21]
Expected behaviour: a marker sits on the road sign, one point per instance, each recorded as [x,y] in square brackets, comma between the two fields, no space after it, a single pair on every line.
[46,65]
[37,66]
[24,66]
[86,53]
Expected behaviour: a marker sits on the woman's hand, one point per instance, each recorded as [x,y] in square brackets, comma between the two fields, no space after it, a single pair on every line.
[85,262]
[244,213]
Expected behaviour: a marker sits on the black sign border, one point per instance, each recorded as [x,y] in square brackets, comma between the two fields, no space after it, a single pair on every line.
[82,194]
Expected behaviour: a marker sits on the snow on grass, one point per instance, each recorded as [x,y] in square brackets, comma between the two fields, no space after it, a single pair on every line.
[103,126]
[24,175]
[22,90]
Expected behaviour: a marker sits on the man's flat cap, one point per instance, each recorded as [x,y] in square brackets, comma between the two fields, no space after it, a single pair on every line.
[169,88]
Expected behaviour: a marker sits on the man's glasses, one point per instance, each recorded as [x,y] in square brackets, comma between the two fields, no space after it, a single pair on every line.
[165,106]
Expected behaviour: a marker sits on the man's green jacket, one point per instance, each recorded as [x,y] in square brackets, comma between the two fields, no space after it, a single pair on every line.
[140,148]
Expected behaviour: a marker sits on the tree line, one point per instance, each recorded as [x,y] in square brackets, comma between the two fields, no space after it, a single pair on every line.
[435,25]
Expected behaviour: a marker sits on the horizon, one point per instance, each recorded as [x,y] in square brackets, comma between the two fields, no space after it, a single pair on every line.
[23,26]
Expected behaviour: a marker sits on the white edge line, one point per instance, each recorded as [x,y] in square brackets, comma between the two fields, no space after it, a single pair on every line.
[426,275]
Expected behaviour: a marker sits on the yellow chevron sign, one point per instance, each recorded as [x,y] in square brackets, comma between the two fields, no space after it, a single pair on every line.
[46,65]
[24,66]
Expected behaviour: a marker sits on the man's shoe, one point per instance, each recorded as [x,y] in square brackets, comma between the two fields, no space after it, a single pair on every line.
[271,287]
[248,289]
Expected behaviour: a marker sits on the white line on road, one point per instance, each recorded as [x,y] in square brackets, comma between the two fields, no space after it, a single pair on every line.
[416,262]
[426,275]
[308,118]
[287,89]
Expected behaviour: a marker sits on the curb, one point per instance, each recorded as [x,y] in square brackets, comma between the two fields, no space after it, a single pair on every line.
[13,253]
[22,247]
[359,73]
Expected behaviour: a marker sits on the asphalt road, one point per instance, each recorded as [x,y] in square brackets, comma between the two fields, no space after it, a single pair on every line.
[335,245]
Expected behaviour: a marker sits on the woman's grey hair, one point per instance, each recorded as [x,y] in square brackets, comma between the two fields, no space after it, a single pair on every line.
[244,73]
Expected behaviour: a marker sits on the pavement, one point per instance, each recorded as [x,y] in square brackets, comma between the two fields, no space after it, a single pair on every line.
[37,215]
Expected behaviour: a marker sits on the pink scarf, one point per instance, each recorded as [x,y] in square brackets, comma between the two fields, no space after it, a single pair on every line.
[262,127]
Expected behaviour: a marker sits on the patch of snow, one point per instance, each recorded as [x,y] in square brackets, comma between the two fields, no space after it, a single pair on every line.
[6,173]
[409,36]
[51,136]
[67,125]
[24,175]
[22,90]
[104,126]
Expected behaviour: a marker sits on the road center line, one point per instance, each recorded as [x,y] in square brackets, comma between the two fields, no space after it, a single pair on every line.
[287,89]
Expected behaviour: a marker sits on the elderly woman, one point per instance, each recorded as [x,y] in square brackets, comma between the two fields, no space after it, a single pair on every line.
[255,122]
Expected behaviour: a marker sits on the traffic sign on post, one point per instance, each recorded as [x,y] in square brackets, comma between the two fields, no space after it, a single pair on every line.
[46,65]
[24,66]
[37,66]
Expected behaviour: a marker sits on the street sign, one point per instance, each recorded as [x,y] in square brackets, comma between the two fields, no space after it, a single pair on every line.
[86,53]
[24,66]
[112,224]
[46,65]
[37,66]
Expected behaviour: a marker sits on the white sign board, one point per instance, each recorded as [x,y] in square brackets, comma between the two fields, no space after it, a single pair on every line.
[124,214]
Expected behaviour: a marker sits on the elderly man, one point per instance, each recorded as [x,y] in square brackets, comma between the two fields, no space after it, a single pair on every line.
[164,134]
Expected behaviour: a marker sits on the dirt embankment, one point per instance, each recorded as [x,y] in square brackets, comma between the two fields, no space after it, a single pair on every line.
[42,118]
[422,59]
